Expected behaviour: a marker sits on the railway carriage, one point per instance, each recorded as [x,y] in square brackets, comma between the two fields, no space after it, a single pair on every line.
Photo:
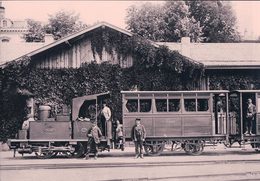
[188,120]
[184,118]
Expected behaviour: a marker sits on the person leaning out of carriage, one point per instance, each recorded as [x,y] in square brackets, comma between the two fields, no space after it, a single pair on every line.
[138,136]
[94,135]
[250,116]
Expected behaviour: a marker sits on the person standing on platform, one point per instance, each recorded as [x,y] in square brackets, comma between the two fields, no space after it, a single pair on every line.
[138,136]
[94,135]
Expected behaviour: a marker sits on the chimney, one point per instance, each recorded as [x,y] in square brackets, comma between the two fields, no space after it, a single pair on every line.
[48,38]
[185,46]
[2,11]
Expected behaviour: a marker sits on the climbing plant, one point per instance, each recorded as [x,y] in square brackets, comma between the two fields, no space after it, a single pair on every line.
[154,68]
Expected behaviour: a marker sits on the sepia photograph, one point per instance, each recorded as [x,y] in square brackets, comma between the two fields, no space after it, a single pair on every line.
[129,90]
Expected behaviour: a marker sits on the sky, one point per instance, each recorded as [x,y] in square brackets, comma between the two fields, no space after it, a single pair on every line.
[114,12]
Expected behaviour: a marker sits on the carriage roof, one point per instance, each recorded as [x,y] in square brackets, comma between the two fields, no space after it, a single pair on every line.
[172,92]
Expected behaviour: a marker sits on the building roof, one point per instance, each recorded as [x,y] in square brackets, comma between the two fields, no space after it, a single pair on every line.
[11,51]
[64,40]
[212,55]
[220,55]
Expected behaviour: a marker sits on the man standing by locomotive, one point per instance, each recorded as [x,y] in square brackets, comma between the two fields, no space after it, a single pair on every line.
[107,123]
[138,135]
[250,116]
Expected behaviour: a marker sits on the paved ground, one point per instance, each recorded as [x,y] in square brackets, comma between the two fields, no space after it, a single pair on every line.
[213,164]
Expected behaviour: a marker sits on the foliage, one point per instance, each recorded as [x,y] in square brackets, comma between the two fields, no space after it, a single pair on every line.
[59,25]
[63,23]
[146,54]
[167,22]
[207,21]
[36,31]
[56,87]
[217,20]
[235,80]
[154,68]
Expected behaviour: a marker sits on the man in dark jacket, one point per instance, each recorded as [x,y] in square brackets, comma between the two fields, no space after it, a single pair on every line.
[94,136]
[138,136]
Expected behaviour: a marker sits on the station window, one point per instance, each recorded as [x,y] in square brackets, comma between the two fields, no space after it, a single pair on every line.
[132,105]
[203,105]
[161,105]
[190,105]
[174,105]
[145,105]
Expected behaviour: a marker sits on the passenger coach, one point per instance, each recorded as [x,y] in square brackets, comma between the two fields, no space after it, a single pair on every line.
[189,119]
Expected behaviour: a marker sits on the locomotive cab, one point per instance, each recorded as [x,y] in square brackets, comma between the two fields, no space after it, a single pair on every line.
[87,109]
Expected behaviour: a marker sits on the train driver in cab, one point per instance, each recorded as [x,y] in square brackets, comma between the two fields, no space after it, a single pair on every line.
[250,116]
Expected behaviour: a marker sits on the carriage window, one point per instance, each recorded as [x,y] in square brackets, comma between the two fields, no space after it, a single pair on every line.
[203,105]
[190,105]
[132,105]
[174,105]
[145,105]
[161,105]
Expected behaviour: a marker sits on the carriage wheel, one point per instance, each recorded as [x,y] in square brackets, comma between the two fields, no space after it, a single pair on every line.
[154,150]
[44,155]
[193,148]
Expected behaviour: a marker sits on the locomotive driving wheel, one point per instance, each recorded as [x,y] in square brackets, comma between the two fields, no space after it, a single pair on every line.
[154,149]
[79,150]
[194,148]
[45,154]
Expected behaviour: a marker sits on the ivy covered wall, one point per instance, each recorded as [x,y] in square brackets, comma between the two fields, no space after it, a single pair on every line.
[234,79]
[55,87]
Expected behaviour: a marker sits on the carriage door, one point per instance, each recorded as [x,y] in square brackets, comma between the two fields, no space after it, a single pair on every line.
[219,105]
[245,97]
[234,114]
[258,113]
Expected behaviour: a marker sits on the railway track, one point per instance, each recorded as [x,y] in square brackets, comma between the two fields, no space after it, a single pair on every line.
[120,165]
[241,176]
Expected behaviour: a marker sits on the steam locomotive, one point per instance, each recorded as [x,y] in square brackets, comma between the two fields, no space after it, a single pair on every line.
[188,120]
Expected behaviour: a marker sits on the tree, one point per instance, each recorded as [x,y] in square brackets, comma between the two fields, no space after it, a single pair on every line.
[59,25]
[206,21]
[179,22]
[217,19]
[63,23]
[35,33]
[147,21]
[167,22]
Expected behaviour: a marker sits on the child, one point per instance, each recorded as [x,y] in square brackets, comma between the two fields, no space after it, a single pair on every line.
[138,136]
[94,136]
[120,135]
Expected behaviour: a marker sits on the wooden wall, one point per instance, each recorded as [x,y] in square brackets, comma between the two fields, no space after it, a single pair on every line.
[69,55]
